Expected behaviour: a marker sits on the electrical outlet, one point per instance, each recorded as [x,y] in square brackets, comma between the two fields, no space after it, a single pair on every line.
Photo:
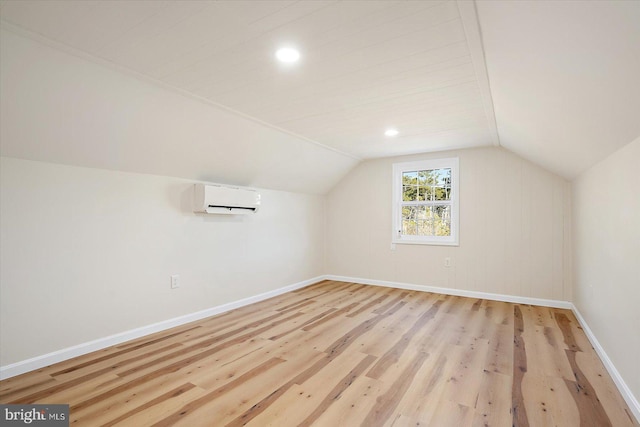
[447,262]
[175,281]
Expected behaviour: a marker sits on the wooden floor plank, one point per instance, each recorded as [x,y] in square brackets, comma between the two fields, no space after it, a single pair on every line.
[343,354]
[158,409]
[491,408]
[354,405]
[518,406]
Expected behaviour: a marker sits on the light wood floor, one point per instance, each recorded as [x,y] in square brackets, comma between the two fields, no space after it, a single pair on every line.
[342,354]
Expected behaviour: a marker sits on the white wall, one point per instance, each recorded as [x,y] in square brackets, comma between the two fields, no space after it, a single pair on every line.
[86,253]
[514,229]
[606,201]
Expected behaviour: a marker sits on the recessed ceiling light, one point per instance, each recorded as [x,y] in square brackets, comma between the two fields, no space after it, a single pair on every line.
[287,54]
[391,132]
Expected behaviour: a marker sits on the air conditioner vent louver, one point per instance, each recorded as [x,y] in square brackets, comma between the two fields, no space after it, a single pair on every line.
[222,199]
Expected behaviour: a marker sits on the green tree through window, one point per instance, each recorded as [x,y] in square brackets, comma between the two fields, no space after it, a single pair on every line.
[430,185]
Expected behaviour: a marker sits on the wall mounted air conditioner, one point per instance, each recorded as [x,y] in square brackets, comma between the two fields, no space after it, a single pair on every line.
[222,199]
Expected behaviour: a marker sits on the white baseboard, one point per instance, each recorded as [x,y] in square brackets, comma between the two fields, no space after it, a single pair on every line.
[456,292]
[628,396]
[38,362]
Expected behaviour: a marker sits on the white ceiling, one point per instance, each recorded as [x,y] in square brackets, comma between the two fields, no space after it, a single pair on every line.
[366,65]
[565,78]
[562,76]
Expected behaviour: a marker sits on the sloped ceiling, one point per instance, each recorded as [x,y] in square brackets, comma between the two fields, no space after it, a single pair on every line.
[61,108]
[562,77]
[565,78]
[366,65]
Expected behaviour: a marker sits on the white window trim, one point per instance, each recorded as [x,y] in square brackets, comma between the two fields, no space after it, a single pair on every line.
[396,226]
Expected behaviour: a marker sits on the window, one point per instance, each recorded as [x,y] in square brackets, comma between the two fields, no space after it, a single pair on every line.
[425,202]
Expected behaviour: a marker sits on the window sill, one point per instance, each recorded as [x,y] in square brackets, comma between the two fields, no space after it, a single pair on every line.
[423,242]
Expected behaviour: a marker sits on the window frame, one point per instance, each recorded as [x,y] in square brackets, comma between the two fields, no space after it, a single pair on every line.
[397,203]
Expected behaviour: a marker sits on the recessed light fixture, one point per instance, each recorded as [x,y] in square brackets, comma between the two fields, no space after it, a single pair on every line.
[391,132]
[288,55]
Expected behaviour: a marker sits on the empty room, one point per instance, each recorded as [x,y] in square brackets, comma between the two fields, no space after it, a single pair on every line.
[319,213]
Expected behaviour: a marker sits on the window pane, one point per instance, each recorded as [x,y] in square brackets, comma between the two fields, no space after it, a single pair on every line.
[430,229]
[424,193]
[442,220]
[421,212]
[409,193]
[409,227]
[422,177]
[409,215]
[447,192]
[405,212]
[441,193]
[410,178]
[408,212]
[442,177]
[422,228]
[427,177]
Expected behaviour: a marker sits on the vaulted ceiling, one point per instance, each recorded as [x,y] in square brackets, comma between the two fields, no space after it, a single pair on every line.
[553,81]
[565,78]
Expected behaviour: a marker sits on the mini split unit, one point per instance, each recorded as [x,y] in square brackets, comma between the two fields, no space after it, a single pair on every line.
[221,199]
